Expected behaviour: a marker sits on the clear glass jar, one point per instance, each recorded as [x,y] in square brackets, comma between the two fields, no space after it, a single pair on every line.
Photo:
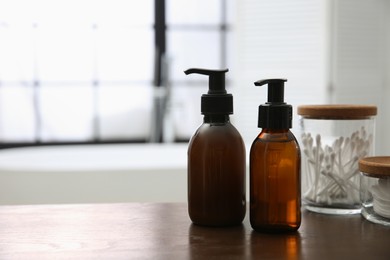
[333,139]
[375,189]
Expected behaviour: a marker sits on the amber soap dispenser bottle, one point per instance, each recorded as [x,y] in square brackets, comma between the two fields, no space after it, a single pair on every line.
[216,160]
[275,197]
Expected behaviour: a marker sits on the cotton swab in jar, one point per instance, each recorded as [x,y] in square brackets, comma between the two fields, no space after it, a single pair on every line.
[333,175]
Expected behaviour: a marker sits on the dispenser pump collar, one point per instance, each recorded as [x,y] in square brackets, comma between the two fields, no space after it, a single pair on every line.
[217,101]
[275,113]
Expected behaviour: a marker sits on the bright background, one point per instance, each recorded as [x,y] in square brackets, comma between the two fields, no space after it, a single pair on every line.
[83,69]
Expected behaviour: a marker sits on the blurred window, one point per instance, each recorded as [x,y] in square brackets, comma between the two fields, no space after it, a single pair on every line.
[83,70]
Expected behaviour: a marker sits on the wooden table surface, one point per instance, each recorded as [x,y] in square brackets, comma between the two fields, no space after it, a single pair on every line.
[164,231]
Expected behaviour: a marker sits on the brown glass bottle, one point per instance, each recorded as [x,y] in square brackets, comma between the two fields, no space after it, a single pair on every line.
[275,166]
[216,174]
[275,182]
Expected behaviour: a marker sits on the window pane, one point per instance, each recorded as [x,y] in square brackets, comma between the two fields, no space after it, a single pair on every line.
[125,53]
[123,12]
[78,12]
[229,56]
[231,13]
[19,12]
[125,111]
[16,53]
[17,120]
[193,11]
[66,112]
[192,49]
[185,107]
[62,13]
[64,53]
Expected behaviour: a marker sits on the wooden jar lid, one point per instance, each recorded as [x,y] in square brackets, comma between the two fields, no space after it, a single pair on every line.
[377,166]
[337,111]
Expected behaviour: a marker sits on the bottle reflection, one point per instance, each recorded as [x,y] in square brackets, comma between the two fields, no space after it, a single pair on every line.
[213,242]
[279,246]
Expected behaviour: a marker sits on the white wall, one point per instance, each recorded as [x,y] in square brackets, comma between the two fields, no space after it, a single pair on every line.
[330,51]
[360,67]
[279,39]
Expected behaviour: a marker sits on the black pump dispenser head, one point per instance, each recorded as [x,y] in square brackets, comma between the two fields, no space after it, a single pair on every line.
[216,101]
[275,114]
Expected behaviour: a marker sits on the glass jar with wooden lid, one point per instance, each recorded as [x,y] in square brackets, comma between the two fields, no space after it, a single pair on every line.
[333,139]
[375,189]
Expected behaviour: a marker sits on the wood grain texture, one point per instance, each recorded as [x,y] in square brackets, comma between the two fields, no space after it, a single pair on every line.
[164,231]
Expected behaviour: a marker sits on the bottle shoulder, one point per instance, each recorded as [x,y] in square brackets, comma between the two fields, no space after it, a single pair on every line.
[216,134]
[278,140]
[212,129]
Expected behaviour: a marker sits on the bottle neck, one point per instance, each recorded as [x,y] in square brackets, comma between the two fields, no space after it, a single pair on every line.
[274,131]
[216,119]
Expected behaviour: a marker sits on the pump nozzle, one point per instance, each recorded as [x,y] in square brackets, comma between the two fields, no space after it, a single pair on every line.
[216,101]
[275,89]
[216,79]
[275,114]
